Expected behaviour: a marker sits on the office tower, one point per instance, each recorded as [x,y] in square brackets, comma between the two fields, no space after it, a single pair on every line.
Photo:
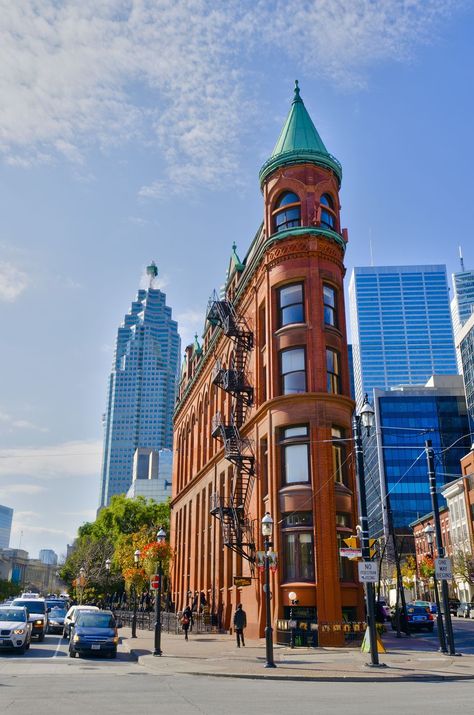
[6,518]
[152,474]
[401,326]
[48,556]
[263,417]
[462,304]
[394,453]
[465,346]
[142,387]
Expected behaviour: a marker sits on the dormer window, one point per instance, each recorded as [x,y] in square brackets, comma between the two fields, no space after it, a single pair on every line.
[287,212]
[328,215]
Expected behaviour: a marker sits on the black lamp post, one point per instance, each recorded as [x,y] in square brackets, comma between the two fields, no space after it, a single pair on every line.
[429,531]
[294,602]
[136,559]
[365,419]
[82,576]
[267,530]
[160,537]
[108,563]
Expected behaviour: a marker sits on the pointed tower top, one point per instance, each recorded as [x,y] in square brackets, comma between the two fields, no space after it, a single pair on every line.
[299,142]
[239,266]
[196,347]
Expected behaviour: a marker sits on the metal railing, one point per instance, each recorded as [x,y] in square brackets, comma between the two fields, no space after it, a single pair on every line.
[170,622]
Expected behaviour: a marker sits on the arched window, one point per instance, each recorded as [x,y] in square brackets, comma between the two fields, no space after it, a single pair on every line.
[328,215]
[287,212]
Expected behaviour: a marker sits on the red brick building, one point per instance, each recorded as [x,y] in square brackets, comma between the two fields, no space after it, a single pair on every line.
[263,419]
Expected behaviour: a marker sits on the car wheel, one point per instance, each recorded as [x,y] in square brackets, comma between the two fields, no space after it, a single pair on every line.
[113,654]
[72,653]
[41,637]
[65,635]
[21,650]
[28,645]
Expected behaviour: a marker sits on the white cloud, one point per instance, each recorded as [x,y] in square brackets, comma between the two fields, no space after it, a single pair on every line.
[27,489]
[15,423]
[59,461]
[13,282]
[175,74]
[190,322]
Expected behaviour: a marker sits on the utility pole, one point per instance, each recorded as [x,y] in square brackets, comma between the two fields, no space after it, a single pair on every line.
[439,542]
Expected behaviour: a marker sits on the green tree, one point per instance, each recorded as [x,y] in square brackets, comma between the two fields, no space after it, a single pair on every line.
[463,566]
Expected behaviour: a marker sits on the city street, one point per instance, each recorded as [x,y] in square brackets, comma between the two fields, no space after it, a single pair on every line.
[46,680]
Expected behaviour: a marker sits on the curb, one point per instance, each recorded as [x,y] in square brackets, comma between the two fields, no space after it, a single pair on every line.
[140,659]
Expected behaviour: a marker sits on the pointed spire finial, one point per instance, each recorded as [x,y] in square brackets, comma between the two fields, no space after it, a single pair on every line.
[297,97]
[234,246]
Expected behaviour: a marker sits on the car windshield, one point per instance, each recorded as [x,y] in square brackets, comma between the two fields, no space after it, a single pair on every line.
[57,612]
[10,615]
[95,620]
[32,606]
[55,604]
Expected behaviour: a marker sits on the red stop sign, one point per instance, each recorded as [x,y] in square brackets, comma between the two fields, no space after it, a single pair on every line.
[155,581]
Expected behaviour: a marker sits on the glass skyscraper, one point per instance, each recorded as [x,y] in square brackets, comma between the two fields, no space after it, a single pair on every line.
[395,460]
[466,350]
[6,518]
[401,326]
[462,305]
[142,388]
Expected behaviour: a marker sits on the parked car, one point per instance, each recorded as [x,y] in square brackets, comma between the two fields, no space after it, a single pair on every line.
[15,629]
[418,618]
[383,608]
[37,614]
[94,632]
[454,604]
[464,609]
[71,616]
[56,619]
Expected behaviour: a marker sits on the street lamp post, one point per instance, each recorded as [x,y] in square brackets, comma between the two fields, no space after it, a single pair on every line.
[108,563]
[160,537]
[267,530]
[429,531]
[82,576]
[136,559]
[294,602]
[365,419]
[439,543]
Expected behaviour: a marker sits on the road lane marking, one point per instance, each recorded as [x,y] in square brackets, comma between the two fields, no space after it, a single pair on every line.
[58,647]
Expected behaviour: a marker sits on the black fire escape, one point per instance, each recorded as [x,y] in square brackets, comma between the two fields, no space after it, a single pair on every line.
[233,511]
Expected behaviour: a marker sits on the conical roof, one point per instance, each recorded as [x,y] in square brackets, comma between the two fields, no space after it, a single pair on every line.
[298,142]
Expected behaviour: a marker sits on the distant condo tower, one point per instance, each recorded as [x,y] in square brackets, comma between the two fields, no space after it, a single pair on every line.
[142,387]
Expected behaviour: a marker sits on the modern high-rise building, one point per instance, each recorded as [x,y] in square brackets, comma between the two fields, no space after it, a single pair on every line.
[465,345]
[401,326]
[152,474]
[142,387]
[48,556]
[6,518]
[462,305]
[395,460]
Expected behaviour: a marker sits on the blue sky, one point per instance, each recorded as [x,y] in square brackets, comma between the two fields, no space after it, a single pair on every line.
[135,130]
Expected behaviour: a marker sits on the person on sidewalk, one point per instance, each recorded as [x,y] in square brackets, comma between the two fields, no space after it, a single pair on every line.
[186,621]
[240,622]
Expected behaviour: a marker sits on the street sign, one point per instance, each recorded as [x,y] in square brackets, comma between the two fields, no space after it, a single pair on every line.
[155,582]
[368,571]
[241,581]
[351,553]
[443,569]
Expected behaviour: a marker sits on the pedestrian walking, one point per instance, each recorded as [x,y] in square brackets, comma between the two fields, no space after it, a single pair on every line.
[240,622]
[186,619]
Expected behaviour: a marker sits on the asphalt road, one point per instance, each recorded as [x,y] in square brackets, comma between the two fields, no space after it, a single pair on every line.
[46,681]
[463,637]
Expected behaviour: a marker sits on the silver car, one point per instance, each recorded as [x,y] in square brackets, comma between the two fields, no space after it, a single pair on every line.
[15,629]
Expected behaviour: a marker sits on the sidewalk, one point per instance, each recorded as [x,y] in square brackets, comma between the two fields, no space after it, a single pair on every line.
[217,655]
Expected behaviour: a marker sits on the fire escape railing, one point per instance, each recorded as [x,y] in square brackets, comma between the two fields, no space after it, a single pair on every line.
[233,511]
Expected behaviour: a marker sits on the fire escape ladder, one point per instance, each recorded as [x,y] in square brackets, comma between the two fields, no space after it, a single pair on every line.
[233,511]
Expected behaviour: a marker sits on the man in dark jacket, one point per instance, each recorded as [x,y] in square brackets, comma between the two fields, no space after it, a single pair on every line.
[240,622]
